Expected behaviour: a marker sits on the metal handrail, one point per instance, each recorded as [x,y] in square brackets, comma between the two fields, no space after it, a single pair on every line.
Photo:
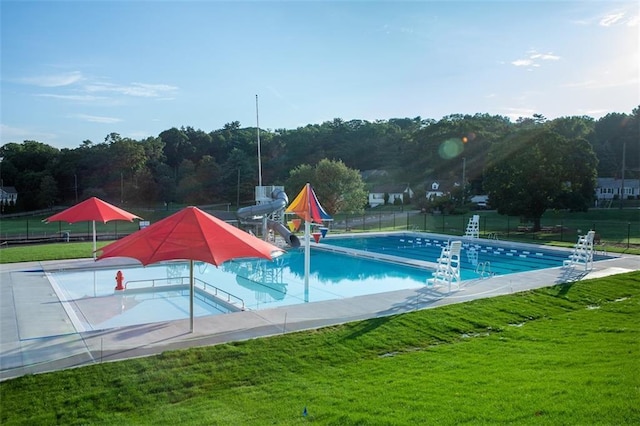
[219,290]
[209,288]
[154,280]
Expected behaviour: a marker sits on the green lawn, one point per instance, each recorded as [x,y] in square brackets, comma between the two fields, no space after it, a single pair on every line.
[567,354]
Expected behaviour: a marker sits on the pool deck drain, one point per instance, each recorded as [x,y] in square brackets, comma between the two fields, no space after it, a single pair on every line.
[36,334]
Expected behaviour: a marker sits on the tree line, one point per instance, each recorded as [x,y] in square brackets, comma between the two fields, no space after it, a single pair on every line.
[191,166]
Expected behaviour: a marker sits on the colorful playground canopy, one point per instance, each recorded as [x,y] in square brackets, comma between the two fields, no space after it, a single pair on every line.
[307,206]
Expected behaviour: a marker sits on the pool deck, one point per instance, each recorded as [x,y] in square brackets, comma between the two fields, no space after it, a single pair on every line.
[37,336]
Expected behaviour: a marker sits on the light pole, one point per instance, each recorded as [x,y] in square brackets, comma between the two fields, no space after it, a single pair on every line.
[464,172]
[624,154]
[1,188]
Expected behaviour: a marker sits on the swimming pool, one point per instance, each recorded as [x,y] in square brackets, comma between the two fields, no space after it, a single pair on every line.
[160,292]
[479,258]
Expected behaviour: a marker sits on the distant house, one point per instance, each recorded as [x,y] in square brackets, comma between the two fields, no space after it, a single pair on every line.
[8,195]
[440,188]
[373,175]
[394,192]
[610,188]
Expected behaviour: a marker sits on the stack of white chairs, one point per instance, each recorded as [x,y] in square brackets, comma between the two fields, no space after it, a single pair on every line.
[473,227]
[582,254]
[448,269]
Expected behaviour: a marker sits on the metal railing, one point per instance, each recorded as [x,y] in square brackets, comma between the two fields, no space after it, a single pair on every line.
[210,289]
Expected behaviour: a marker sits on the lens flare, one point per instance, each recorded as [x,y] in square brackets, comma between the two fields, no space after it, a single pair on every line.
[450,148]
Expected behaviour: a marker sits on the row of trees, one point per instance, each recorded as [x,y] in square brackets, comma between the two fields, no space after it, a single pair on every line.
[192,166]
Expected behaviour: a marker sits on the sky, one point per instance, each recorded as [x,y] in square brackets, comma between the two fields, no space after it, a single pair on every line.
[79,70]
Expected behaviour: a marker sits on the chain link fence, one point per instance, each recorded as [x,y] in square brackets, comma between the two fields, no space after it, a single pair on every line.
[560,228]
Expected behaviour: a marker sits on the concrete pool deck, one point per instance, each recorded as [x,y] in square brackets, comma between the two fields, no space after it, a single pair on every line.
[36,334]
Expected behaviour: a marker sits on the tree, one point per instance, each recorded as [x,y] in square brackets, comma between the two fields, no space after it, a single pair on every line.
[533,169]
[239,176]
[48,193]
[176,146]
[339,188]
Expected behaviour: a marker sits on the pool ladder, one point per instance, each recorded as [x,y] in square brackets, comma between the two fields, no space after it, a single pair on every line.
[484,269]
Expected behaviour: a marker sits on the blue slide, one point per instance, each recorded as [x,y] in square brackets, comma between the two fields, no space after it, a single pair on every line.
[279,201]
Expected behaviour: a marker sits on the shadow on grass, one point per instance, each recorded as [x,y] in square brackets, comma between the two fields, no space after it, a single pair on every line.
[568,277]
[423,298]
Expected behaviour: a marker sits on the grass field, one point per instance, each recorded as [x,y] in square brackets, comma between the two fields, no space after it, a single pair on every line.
[566,354]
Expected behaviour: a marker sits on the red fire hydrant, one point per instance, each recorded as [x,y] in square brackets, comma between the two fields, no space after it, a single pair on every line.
[119,281]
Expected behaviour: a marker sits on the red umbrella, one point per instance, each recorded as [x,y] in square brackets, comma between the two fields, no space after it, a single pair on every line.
[190,234]
[92,209]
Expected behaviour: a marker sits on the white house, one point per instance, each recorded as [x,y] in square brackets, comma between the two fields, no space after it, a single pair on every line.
[440,189]
[610,188]
[395,192]
[8,195]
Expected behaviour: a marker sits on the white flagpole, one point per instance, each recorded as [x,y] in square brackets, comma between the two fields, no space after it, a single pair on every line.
[259,156]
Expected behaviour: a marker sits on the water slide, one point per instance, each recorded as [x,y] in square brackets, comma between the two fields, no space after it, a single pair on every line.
[279,201]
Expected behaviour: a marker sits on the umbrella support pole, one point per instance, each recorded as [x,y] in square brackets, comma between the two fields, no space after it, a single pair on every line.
[95,247]
[191,286]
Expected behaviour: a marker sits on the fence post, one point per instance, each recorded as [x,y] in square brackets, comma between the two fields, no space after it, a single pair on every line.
[424,227]
[628,233]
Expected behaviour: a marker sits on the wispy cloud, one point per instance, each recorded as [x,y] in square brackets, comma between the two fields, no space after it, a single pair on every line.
[53,80]
[516,113]
[80,98]
[96,118]
[86,88]
[603,83]
[134,89]
[611,19]
[634,21]
[533,59]
[18,134]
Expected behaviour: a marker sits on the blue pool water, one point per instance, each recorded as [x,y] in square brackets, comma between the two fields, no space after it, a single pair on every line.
[160,292]
[492,257]
[245,284]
